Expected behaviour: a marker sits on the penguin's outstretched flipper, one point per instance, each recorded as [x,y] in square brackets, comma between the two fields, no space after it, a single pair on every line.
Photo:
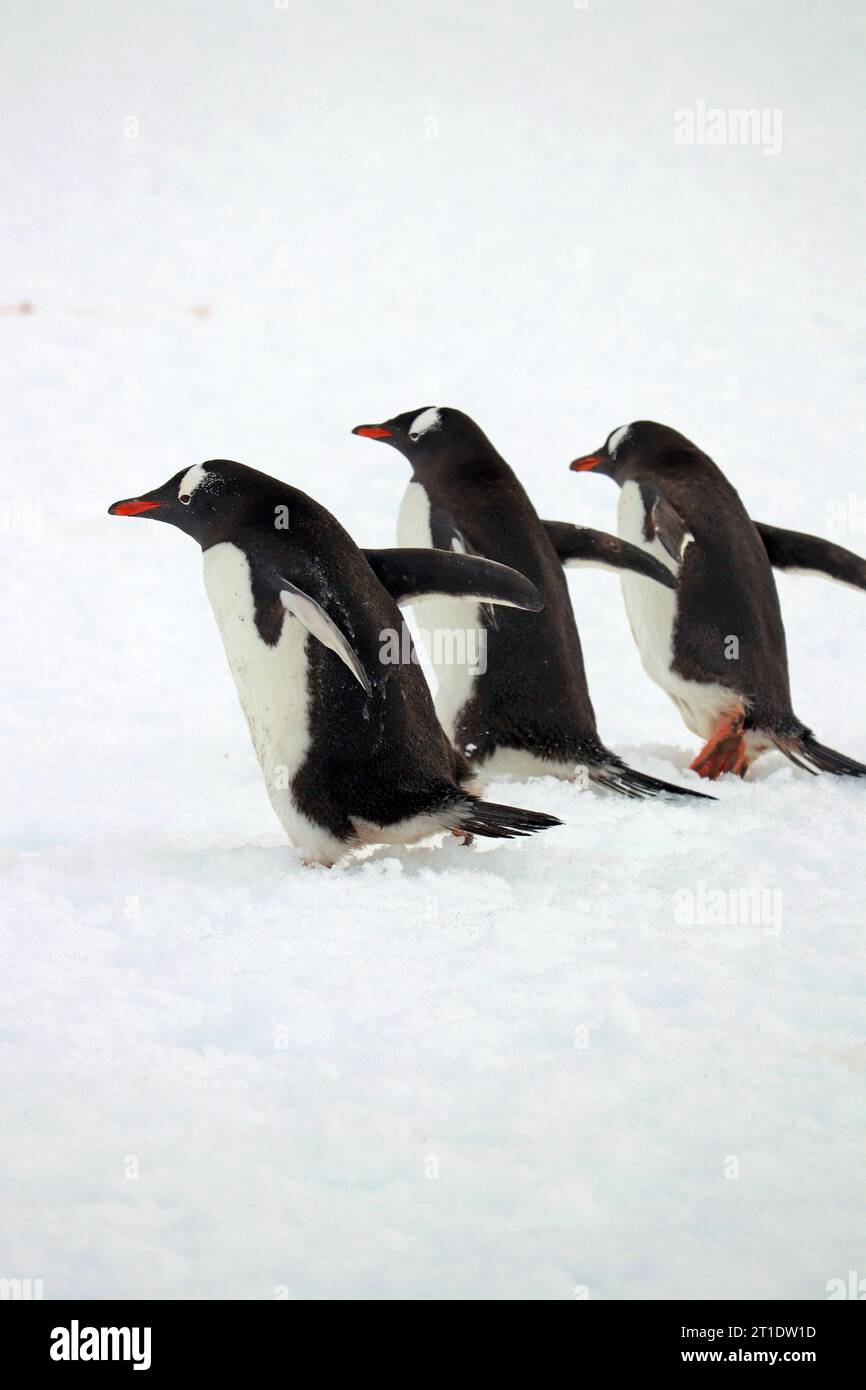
[413,574]
[580,546]
[811,756]
[616,776]
[496,822]
[804,554]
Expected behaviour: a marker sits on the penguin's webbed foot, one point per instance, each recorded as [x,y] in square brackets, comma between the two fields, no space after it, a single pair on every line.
[726,751]
[464,836]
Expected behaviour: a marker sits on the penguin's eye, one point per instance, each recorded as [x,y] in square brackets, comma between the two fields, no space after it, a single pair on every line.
[185,498]
[414,438]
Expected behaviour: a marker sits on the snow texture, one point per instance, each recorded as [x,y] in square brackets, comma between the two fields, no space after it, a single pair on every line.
[623,1059]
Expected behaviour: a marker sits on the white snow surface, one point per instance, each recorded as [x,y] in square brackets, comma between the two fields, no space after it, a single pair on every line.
[508,1071]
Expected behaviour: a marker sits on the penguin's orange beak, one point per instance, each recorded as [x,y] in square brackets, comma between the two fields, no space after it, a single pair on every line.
[584,464]
[133,507]
[372,432]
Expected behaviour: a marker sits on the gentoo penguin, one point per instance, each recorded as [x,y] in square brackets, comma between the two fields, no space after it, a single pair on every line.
[716,643]
[346,735]
[529,712]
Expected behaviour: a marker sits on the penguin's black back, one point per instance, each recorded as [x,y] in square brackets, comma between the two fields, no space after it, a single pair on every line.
[533,693]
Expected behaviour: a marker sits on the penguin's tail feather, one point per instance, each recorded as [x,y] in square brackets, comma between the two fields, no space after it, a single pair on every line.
[617,776]
[496,822]
[806,752]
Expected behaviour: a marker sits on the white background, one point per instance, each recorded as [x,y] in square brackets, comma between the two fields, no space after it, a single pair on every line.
[241,231]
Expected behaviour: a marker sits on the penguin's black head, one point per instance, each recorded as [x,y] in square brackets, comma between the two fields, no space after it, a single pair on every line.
[631,448]
[429,435]
[203,500]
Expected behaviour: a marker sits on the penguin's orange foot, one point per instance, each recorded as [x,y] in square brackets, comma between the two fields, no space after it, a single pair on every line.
[726,751]
[464,836]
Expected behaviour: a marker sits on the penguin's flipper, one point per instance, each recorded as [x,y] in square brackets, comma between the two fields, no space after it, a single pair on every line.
[664,522]
[313,617]
[795,550]
[446,535]
[581,546]
[411,574]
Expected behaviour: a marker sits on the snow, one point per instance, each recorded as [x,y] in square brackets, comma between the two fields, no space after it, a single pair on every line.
[543,1069]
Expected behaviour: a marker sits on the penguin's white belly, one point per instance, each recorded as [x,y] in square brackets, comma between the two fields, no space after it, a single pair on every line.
[449,629]
[272,686]
[520,763]
[652,614]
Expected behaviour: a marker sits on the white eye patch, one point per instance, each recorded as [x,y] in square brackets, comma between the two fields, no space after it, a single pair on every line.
[616,439]
[192,478]
[429,419]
